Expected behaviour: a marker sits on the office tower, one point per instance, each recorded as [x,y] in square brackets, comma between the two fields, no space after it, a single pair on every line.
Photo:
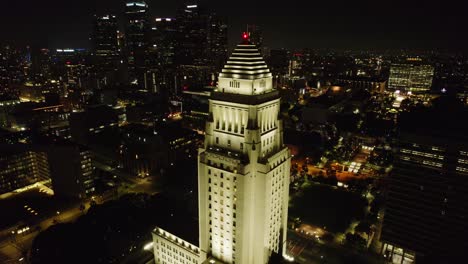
[202,35]
[243,171]
[21,167]
[40,63]
[71,66]
[201,47]
[93,120]
[66,164]
[71,170]
[411,76]
[136,34]
[217,40]
[146,151]
[279,61]
[105,49]
[426,214]
[192,43]
[255,34]
[160,61]
[163,41]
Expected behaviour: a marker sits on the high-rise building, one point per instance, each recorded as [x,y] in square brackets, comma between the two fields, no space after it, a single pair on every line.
[255,34]
[411,76]
[136,37]
[162,40]
[217,40]
[426,214]
[161,56]
[40,63]
[279,61]
[21,167]
[201,47]
[243,170]
[244,165]
[105,48]
[71,170]
[65,164]
[192,42]
[71,66]
[202,35]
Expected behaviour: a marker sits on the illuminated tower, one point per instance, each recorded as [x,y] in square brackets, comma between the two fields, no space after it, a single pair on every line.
[243,169]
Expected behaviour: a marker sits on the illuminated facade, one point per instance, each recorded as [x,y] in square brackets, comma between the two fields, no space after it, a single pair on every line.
[243,168]
[412,76]
[169,248]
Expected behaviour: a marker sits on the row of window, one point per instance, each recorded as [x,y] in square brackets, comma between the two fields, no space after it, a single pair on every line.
[171,254]
[234,84]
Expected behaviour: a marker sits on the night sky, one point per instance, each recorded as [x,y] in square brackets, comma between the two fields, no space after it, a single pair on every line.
[359,24]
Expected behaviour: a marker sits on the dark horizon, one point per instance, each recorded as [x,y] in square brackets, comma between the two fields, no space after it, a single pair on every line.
[362,25]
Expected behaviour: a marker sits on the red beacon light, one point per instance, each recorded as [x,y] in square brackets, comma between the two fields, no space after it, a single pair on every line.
[245,36]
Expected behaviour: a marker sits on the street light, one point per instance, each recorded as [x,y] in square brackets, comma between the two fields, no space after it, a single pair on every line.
[148,246]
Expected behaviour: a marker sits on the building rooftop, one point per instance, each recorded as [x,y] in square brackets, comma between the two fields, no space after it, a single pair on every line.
[246,62]
[181,224]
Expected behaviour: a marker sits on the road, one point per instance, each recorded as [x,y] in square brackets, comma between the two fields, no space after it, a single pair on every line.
[13,247]
[308,249]
[132,183]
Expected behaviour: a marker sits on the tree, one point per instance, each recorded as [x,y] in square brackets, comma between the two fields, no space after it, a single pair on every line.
[363,227]
[355,241]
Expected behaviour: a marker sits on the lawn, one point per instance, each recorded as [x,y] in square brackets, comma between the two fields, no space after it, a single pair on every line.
[327,207]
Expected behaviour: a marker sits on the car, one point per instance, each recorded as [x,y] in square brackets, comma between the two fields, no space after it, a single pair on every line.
[22,229]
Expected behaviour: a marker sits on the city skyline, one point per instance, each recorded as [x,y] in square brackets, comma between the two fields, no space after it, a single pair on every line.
[204,132]
[300,24]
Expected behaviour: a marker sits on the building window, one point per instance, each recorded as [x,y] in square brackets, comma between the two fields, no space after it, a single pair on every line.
[217,140]
[241,146]
[229,142]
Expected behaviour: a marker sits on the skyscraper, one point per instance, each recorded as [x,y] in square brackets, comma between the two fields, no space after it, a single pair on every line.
[162,40]
[160,59]
[201,46]
[136,34]
[412,76]
[243,171]
[192,42]
[244,165]
[255,34]
[217,40]
[105,48]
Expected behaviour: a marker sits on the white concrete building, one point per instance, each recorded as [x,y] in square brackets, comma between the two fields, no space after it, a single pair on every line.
[244,167]
[243,171]
[169,248]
